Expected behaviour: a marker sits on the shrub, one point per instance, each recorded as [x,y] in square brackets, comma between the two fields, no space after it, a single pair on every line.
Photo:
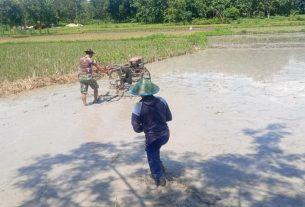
[232,13]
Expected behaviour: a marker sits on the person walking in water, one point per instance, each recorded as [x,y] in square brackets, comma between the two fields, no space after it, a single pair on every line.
[85,76]
[150,115]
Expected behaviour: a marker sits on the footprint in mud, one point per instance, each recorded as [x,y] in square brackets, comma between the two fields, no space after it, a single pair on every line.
[177,193]
[169,176]
[198,196]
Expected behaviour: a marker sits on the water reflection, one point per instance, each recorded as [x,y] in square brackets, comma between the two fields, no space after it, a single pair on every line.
[276,75]
[219,88]
[259,64]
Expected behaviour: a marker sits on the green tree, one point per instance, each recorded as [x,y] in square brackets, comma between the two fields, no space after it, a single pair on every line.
[284,7]
[11,13]
[216,8]
[66,10]
[40,12]
[198,8]
[150,11]
[121,10]
[18,12]
[244,7]
[257,8]
[301,6]
[72,10]
[177,11]
[99,9]
[232,13]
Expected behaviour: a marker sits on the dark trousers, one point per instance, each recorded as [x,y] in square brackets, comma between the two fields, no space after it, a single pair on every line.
[153,157]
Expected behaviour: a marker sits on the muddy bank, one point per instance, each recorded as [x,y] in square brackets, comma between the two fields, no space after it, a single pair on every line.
[236,137]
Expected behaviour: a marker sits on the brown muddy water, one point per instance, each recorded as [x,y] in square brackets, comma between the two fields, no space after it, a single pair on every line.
[237,137]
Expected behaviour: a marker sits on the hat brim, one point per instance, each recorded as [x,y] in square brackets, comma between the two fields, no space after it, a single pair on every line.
[155,90]
[89,52]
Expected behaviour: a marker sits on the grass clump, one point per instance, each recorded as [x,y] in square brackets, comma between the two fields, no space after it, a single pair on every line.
[198,39]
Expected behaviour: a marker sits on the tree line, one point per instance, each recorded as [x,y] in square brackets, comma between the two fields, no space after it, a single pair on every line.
[52,12]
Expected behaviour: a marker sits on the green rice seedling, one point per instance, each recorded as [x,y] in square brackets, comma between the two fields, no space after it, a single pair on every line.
[43,59]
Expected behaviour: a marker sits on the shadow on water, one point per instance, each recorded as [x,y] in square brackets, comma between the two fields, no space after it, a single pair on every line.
[112,96]
[260,179]
[57,180]
[263,178]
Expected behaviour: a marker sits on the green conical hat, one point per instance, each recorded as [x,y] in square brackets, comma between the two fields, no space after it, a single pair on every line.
[144,87]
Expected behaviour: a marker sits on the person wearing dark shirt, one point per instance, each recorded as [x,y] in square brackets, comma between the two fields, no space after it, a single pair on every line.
[150,115]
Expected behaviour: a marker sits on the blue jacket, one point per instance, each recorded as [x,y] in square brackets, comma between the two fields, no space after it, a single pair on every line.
[150,115]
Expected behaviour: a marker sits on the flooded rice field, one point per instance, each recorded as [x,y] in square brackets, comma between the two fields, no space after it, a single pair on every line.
[237,137]
[258,40]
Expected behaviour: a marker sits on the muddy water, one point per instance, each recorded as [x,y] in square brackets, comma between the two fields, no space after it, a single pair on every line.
[236,137]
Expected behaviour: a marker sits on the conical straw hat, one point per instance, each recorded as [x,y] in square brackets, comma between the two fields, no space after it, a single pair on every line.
[144,87]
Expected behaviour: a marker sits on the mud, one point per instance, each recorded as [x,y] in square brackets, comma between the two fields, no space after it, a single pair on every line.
[236,137]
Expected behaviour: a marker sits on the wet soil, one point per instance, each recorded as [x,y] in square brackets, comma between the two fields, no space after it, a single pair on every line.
[236,137]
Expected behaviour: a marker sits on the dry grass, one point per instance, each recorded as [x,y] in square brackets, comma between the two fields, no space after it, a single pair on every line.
[8,88]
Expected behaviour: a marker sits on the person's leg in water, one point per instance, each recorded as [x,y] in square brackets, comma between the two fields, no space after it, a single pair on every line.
[84,90]
[94,86]
[154,161]
[95,95]
[84,98]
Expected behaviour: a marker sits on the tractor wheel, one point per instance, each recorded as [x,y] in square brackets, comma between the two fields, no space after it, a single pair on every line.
[145,73]
[115,80]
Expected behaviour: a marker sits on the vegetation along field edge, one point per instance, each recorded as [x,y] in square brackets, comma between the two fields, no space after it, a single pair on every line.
[37,64]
